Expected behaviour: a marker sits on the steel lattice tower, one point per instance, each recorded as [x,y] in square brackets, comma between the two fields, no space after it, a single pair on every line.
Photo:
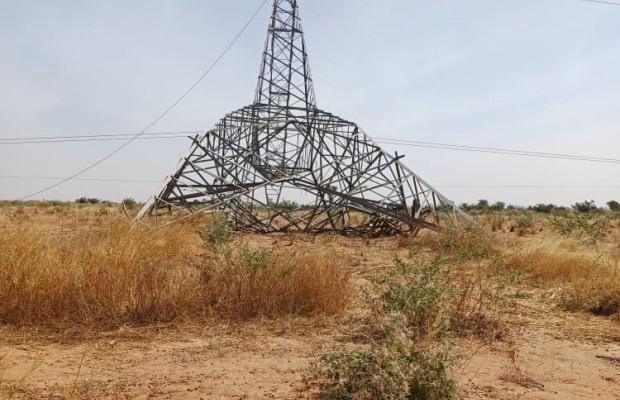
[281,164]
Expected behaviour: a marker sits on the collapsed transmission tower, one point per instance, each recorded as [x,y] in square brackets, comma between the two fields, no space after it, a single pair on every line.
[281,164]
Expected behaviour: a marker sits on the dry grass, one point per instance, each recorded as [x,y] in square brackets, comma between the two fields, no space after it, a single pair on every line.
[123,275]
[585,283]
[249,284]
[468,242]
[3,363]
[550,265]
[514,374]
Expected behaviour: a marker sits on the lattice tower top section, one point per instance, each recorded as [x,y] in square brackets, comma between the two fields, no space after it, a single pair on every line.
[285,80]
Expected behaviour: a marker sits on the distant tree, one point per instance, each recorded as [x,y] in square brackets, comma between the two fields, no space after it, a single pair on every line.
[613,205]
[287,205]
[87,200]
[498,206]
[482,204]
[129,202]
[544,208]
[585,206]
[465,206]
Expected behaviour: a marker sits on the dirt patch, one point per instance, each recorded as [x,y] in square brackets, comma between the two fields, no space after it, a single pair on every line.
[265,365]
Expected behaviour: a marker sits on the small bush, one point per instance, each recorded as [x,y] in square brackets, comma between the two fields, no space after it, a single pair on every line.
[587,227]
[469,242]
[483,206]
[524,224]
[498,206]
[417,295]
[437,302]
[393,372]
[220,232]
[496,222]
[415,306]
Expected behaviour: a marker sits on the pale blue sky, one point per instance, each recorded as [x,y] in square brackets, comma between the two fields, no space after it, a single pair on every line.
[539,75]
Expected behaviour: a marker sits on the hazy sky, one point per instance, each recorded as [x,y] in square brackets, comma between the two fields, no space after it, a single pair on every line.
[539,75]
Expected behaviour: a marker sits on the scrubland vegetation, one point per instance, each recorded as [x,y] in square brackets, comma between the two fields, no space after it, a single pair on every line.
[83,265]
[121,274]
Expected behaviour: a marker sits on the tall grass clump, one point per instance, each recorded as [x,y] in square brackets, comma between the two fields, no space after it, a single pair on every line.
[246,283]
[583,283]
[467,242]
[128,275]
[107,276]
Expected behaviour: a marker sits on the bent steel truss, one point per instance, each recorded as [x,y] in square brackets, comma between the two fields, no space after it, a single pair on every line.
[281,164]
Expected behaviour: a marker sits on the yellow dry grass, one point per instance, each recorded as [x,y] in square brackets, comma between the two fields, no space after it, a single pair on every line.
[585,281]
[119,274]
[67,263]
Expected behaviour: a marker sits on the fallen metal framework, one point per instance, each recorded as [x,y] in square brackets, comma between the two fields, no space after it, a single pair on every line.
[281,164]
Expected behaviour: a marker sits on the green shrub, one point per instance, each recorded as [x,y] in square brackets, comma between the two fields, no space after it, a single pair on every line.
[587,227]
[220,232]
[393,372]
[413,304]
[416,294]
[469,242]
[525,223]
[435,301]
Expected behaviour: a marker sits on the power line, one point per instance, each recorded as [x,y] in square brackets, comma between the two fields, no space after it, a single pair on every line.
[400,142]
[63,139]
[160,117]
[530,186]
[100,138]
[495,150]
[51,178]
[146,181]
[602,2]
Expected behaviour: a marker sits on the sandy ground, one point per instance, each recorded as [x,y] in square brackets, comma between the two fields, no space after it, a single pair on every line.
[261,363]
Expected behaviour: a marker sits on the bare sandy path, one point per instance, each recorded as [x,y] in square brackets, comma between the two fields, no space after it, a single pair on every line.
[195,368]
[263,365]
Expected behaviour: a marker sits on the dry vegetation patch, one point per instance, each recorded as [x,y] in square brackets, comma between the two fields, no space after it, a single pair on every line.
[583,282]
[130,275]
[408,305]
